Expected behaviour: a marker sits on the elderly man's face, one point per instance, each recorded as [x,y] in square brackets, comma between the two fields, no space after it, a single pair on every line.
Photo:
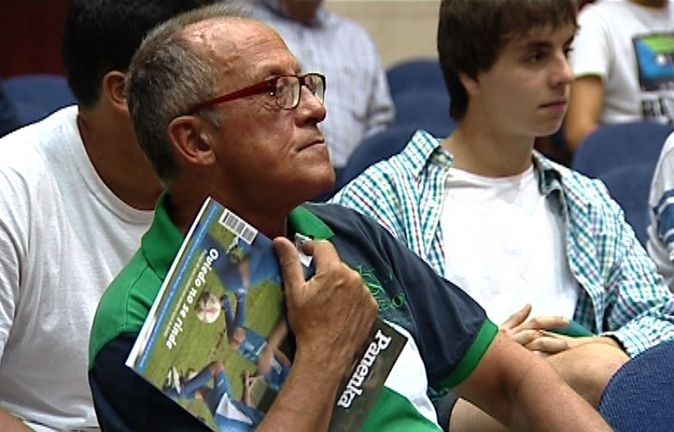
[276,155]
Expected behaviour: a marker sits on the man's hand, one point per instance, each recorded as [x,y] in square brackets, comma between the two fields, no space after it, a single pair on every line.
[331,314]
[585,363]
[534,333]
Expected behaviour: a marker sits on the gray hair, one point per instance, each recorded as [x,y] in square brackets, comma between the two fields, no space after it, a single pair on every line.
[167,76]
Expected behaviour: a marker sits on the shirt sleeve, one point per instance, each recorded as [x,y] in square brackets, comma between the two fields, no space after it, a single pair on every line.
[661,214]
[449,327]
[13,217]
[372,193]
[592,51]
[639,309]
[124,401]
[9,283]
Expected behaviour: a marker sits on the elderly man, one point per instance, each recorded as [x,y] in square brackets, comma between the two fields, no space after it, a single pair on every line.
[341,49]
[222,109]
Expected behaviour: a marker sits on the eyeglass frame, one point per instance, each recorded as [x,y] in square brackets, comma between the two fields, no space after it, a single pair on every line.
[268,85]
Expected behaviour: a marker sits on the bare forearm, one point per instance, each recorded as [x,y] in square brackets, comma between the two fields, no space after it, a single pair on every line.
[9,423]
[523,392]
[466,417]
[537,408]
[585,107]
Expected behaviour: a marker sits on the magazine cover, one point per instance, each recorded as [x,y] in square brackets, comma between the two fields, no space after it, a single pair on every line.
[216,339]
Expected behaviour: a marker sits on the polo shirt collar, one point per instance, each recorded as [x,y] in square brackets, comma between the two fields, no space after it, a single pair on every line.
[304,222]
[162,241]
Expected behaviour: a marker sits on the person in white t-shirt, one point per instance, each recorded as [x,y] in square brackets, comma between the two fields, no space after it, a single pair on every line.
[622,60]
[76,194]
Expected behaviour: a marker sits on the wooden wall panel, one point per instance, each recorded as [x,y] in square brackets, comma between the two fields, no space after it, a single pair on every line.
[30,36]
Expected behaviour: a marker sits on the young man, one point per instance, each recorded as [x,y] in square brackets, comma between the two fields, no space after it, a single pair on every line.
[76,194]
[506,224]
[622,64]
[222,109]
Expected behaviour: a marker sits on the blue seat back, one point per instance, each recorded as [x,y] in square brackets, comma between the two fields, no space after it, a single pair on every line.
[613,146]
[373,149]
[35,96]
[629,185]
[640,396]
[414,75]
[426,109]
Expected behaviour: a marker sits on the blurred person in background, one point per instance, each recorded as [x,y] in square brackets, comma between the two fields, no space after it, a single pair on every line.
[623,65]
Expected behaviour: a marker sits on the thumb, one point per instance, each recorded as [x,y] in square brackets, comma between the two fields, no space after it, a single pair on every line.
[291,268]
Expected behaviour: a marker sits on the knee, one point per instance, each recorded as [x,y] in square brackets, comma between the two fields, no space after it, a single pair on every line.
[588,368]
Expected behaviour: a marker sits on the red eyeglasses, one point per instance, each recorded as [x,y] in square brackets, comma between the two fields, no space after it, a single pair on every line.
[285,88]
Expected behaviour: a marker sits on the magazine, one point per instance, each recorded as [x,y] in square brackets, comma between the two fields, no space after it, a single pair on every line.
[216,340]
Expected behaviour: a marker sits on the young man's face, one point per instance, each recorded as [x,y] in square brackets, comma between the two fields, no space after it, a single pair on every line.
[526,91]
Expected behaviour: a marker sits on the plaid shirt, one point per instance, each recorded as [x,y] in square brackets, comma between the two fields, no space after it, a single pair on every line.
[622,295]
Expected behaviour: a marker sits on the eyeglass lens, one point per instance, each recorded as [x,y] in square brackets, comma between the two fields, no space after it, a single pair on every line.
[288,89]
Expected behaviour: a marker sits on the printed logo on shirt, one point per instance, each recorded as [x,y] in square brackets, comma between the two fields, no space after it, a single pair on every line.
[390,307]
[655,60]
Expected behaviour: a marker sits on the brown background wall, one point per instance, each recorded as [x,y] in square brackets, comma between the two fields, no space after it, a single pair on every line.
[30,36]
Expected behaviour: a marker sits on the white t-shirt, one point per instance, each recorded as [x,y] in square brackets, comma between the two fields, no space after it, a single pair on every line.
[63,237]
[629,47]
[504,245]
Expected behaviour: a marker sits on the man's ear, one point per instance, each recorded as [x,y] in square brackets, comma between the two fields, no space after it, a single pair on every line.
[192,140]
[113,89]
[472,85]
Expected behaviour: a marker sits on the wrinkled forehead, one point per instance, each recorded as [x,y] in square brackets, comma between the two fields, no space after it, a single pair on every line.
[241,46]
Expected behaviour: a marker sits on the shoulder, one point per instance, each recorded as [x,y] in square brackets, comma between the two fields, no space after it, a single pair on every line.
[30,154]
[125,304]
[358,234]
[602,12]
[343,220]
[347,28]
[398,174]
[576,186]
[401,168]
